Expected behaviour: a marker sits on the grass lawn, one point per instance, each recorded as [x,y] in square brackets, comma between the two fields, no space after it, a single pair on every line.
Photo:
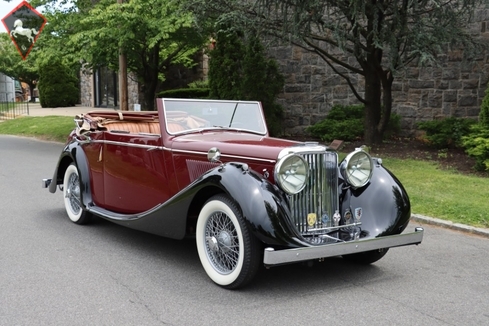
[445,194]
[55,128]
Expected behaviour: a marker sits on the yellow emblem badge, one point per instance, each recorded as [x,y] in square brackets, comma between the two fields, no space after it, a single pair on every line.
[311,219]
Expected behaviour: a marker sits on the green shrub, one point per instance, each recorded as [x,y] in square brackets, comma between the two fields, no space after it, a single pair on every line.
[345,112]
[393,127]
[484,113]
[476,144]
[58,86]
[199,93]
[199,84]
[446,132]
[342,122]
[345,122]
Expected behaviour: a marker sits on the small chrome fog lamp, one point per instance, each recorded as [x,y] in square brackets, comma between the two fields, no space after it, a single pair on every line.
[357,168]
[291,173]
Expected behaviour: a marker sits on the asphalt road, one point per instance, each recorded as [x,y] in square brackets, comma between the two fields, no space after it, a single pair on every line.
[53,272]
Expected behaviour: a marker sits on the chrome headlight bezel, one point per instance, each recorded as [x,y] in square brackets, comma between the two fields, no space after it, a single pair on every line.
[352,171]
[295,168]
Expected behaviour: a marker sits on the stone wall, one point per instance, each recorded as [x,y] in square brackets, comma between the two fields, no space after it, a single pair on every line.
[86,89]
[453,89]
[133,96]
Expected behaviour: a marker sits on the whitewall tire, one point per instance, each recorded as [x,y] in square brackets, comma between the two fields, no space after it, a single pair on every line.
[72,196]
[229,253]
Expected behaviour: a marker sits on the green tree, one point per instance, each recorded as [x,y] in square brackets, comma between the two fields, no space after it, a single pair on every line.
[153,34]
[239,70]
[263,81]
[58,87]
[225,71]
[12,65]
[476,143]
[383,36]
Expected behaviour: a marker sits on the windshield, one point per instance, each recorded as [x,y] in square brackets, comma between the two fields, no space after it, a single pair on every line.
[186,115]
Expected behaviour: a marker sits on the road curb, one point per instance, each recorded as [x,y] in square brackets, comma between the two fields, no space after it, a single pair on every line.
[450,225]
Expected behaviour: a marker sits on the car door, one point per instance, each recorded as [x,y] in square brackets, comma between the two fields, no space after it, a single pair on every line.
[135,177]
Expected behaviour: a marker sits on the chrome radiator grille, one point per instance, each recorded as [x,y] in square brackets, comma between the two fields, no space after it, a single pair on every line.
[313,208]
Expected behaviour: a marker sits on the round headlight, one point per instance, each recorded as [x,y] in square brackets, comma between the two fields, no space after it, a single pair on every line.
[291,173]
[357,168]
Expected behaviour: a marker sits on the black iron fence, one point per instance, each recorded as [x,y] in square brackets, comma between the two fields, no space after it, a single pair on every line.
[12,110]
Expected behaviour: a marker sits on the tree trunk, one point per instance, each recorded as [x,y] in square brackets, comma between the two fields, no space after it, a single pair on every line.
[373,96]
[386,102]
[149,96]
[123,103]
[151,80]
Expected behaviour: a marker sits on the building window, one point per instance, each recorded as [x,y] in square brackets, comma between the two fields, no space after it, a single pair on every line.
[105,84]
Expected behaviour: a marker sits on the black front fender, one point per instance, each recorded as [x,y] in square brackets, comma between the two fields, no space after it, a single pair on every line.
[383,204]
[264,206]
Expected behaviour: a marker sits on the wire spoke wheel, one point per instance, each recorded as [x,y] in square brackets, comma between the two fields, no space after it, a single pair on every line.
[72,196]
[72,193]
[222,242]
[228,252]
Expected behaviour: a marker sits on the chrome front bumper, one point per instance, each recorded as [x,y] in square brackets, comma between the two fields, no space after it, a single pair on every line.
[277,257]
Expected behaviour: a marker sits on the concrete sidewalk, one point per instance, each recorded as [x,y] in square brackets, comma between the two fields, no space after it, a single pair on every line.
[35,110]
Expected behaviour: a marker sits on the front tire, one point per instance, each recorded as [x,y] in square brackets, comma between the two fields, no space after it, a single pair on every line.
[72,196]
[229,253]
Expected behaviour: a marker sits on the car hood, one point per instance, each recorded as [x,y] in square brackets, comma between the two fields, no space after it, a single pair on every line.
[237,144]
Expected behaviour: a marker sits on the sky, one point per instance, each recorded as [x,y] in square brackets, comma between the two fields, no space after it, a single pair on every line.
[5,9]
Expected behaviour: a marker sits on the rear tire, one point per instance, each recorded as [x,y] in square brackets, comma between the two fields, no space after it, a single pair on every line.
[228,251]
[72,196]
[368,257]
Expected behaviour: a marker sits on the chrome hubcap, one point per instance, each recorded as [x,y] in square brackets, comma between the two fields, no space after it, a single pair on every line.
[72,193]
[222,243]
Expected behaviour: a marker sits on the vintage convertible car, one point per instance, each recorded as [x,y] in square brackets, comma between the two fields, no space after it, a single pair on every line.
[208,169]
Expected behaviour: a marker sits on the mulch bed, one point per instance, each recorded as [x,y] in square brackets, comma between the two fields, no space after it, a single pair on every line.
[402,148]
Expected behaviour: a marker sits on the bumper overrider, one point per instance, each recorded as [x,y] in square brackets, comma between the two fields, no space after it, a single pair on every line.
[278,257]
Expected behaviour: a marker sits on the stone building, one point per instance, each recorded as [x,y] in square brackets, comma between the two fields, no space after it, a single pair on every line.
[99,88]
[453,89]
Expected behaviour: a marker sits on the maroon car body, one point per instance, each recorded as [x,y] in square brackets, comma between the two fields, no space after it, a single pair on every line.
[208,169]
